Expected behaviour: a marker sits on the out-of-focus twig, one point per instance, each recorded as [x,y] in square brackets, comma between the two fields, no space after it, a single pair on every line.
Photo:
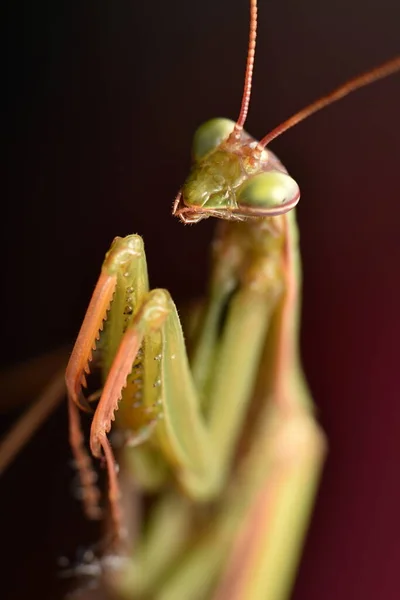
[21,383]
[32,419]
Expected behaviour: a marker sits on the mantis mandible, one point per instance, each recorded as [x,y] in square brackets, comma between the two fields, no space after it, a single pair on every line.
[225,439]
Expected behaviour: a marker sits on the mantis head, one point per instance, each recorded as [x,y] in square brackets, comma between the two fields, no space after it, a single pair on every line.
[234,177]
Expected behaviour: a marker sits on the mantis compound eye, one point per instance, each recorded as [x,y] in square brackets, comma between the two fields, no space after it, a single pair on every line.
[209,136]
[268,190]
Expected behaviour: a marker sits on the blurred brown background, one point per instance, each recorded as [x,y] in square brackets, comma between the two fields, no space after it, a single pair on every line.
[102,101]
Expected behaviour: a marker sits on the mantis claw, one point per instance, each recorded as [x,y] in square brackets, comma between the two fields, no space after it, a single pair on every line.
[82,403]
[82,353]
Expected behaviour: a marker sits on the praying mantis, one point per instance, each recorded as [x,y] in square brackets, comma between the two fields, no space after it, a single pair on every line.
[232,503]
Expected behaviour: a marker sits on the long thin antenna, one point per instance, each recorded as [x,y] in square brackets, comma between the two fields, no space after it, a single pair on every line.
[249,67]
[384,70]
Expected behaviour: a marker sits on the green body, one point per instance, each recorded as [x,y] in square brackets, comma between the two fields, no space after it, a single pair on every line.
[218,441]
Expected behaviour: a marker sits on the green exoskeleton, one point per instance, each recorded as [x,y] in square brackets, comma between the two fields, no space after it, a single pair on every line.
[219,449]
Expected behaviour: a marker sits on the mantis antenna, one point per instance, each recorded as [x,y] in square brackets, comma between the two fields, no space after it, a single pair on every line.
[384,70]
[388,68]
[249,67]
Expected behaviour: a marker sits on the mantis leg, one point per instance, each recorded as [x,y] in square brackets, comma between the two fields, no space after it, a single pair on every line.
[199,449]
[257,535]
[268,543]
[124,263]
[142,330]
[163,542]
[237,349]
[252,289]
[264,515]
[267,546]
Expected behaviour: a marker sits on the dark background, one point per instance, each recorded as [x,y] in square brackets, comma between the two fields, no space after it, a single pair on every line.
[102,99]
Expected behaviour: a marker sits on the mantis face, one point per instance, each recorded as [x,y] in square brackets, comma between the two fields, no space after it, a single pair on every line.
[232,179]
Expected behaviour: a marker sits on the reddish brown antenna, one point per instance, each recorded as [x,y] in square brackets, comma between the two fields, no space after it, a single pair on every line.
[384,70]
[249,67]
